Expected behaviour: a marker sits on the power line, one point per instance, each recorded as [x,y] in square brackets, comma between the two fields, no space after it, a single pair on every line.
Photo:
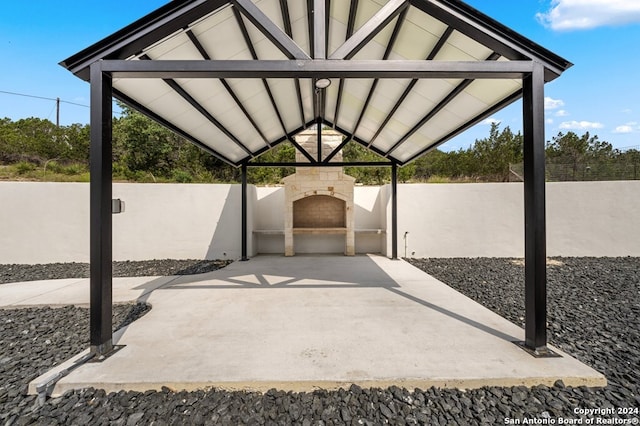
[42,97]
[58,101]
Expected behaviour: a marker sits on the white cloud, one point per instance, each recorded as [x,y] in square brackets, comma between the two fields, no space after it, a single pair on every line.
[626,111]
[550,103]
[587,14]
[490,121]
[623,129]
[561,113]
[627,128]
[549,120]
[580,125]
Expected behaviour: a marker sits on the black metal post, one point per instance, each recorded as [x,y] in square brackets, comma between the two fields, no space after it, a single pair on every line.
[100,212]
[319,133]
[534,213]
[244,212]
[394,211]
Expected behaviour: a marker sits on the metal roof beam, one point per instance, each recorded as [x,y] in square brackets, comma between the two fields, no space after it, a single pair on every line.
[385,56]
[441,42]
[286,19]
[370,29]
[337,149]
[319,30]
[319,68]
[356,139]
[144,110]
[475,120]
[226,85]
[439,107]
[492,34]
[254,55]
[202,110]
[141,34]
[281,40]
[310,26]
[351,23]
[323,164]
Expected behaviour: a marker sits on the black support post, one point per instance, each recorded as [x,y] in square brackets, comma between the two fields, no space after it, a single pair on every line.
[394,210]
[244,212]
[100,212]
[534,213]
[319,135]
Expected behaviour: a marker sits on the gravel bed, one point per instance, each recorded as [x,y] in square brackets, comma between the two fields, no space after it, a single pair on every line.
[593,315]
[52,271]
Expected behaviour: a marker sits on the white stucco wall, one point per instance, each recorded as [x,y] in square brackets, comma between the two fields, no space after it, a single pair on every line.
[478,220]
[49,222]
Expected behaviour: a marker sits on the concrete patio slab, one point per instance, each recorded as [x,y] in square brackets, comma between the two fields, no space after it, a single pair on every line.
[75,291]
[310,322]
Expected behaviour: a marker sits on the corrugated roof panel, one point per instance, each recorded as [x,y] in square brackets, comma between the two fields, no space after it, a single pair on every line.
[212,95]
[452,52]
[469,46]
[177,111]
[382,102]
[284,92]
[434,89]
[392,132]
[366,10]
[416,143]
[177,47]
[307,98]
[299,26]
[254,98]
[418,36]
[203,89]
[331,99]
[263,46]
[271,8]
[338,24]
[492,90]
[466,106]
[221,37]
[353,97]
[375,48]
[215,139]
[143,90]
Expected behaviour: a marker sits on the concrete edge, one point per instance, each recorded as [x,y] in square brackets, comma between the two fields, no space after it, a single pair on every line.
[309,386]
[71,363]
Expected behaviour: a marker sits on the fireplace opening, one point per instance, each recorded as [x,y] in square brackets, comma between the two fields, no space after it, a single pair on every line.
[319,211]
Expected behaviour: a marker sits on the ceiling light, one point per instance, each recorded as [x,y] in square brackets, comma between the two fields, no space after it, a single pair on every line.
[322,83]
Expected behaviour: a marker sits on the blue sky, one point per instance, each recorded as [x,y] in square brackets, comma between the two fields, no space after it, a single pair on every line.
[600,94]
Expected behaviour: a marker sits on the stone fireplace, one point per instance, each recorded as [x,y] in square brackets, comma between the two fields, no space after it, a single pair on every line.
[319,200]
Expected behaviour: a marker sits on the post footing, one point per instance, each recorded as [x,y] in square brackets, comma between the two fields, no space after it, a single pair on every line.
[103,352]
[542,352]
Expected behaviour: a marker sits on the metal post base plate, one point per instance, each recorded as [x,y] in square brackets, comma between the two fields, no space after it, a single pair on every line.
[101,356]
[538,353]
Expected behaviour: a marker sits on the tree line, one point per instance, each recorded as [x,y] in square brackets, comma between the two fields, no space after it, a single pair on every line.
[144,151]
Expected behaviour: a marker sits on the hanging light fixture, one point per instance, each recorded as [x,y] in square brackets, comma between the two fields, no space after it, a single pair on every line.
[322,83]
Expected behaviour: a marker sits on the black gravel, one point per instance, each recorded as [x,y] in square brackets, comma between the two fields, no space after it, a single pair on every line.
[52,271]
[593,315]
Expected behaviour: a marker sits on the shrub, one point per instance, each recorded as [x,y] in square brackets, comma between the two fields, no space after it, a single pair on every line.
[24,167]
[182,176]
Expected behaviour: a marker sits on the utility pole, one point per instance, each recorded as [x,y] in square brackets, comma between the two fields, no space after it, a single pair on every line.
[58,112]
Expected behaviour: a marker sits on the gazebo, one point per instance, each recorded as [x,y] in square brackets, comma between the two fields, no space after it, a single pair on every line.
[239,77]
